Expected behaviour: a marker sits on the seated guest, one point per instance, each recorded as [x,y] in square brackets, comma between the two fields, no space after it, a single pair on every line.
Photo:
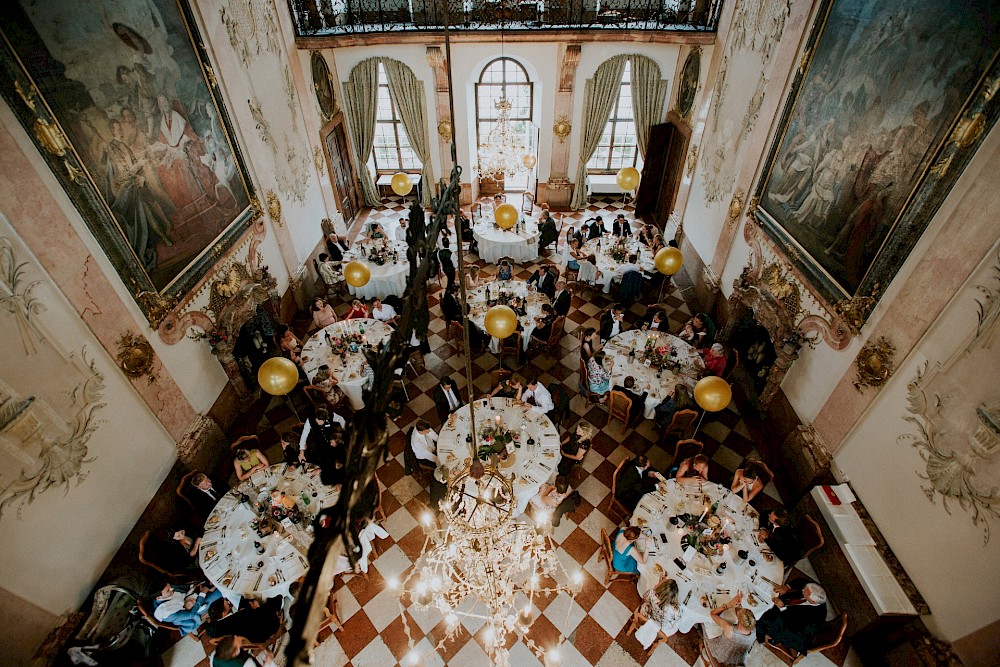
[631,264]
[554,499]
[256,624]
[733,646]
[694,468]
[599,374]
[591,343]
[613,322]
[655,319]
[621,227]
[780,537]
[624,557]
[695,332]
[508,388]
[584,232]
[232,652]
[548,232]
[328,269]
[290,344]
[317,431]
[542,280]
[383,312]
[424,443]
[249,461]
[561,300]
[472,277]
[575,254]
[323,314]
[638,399]
[333,396]
[175,550]
[661,606]
[536,393]
[647,234]
[447,398]
[337,246]
[574,447]
[596,228]
[290,448]
[450,306]
[504,270]
[715,359]
[358,310]
[635,480]
[747,482]
[401,230]
[205,493]
[678,398]
[543,324]
[184,605]
[375,232]
[799,611]
[657,245]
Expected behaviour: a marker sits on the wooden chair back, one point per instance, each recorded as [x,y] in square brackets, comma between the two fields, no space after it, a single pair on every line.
[619,407]
[606,556]
[731,364]
[145,607]
[681,423]
[456,334]
[512,344]
[144,556]
[828,636]
[810,536]
[379,511]
[560,399]
[315,395]
[585,382]
[245,442]
[527,203]
[638,620]
[685,449]
[497,376]
[615,505]
[184,485]
[558,328]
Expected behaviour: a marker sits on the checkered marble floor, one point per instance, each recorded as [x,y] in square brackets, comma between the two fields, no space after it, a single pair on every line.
[596,621]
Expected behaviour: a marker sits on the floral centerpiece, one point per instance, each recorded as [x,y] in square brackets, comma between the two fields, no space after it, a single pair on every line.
[706,533]
[381,254]
[618,251]
[344,343]
[278,507]
[495,438]
[658,357]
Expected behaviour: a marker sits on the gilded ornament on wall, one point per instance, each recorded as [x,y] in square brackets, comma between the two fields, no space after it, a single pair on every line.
[274,207]
[136,357]
[445,129]
[874,363]
[736,206]
[562,128]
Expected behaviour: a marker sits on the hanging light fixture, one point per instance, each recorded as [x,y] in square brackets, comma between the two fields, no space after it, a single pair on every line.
[503,152]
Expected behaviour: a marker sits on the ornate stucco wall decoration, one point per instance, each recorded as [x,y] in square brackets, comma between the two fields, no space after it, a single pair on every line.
[874,363]
[252,28]
[274,207]
[292,169]
[136,357]
[955,406]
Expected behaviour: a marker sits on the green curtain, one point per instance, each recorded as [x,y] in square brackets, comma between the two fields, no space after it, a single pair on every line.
[648,93]
[408,96]
[361,104]
[599,98]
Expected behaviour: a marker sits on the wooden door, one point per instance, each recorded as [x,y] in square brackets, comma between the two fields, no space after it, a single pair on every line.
[663,170]
[342,176]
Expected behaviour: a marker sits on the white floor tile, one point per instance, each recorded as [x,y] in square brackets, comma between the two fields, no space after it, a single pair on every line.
[611,614]
[185,653]
[376,654]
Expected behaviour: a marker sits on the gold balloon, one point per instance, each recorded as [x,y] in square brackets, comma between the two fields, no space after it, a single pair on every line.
[506,215]
[278,376]
[529,161]
[628,178]
[357,274]
[501,321]
[669,261]
[401,184]
[713,393]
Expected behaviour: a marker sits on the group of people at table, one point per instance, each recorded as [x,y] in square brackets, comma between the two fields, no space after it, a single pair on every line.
[798,607]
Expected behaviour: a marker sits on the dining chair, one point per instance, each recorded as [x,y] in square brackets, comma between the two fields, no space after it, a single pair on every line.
[379,510]
[555,336]
[828,636]
[527,203]
[245,442]
[605,555]
[144,556]
[511,343]
[412,465]
[615,505]
[182,488]
[315,395]
[497,376]
[330,614]
[456,335]
[681,422]
[560,401]
[638,620]
[810,538]
[585,384]
[619,407]
[145,607]
[731,364]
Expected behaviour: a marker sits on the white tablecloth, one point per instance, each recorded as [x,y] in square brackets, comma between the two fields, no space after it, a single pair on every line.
[530,468]
[316,352]
[495,243]
[386,279]
[606,264]
[701,589]
[618,348]
[477,307]
[227,554]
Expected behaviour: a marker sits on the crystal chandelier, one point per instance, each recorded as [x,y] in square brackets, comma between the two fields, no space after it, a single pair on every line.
[479,563]
[503,152]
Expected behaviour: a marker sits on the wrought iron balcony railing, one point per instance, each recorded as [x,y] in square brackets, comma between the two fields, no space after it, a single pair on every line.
[346,17]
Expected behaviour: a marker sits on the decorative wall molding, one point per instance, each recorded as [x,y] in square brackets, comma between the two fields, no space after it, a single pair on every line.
[874,363]
[136,357]
[252,27]
[567,73]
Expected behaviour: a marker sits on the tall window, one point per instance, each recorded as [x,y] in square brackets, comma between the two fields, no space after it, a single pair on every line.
[617,147]
[392,150]
[505,77]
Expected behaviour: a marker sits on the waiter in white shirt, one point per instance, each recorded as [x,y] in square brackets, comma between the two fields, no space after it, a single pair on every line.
[424,444]
[400,233]
[446,398]
[535,392]
[320,422]
[383,312]
[631,265]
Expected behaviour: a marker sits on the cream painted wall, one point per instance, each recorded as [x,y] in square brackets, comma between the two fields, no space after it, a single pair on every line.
[54,550]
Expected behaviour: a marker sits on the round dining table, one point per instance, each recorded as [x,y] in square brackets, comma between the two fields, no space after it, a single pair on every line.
[503,290]
[348,367]
[685,366]
[236,559]
[703,583]
[520,245]
[386,279]
[532,456]
[601,248]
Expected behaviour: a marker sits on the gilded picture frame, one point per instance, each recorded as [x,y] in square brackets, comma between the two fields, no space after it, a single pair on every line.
[888,105]
[122,103]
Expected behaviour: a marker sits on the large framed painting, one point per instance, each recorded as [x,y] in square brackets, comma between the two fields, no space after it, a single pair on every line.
[888,105]
[123,104]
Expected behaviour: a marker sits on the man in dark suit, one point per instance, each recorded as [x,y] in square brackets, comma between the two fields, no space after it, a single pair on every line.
[638,399]
[635,480]
[562,299]
[205,493]
[447,398]
[257,624]
[450,307]
[799,611]
[544,281]
[780,537]
[655,319]
[338,248]
[613,322]
[621,227]
[596,228]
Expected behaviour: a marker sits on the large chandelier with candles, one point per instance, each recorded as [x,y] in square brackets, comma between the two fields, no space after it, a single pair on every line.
[504,151]
[478,562]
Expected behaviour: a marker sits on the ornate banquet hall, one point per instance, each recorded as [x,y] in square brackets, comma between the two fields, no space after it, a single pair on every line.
[597,334]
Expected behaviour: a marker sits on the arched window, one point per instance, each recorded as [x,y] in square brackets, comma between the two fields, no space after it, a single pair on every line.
[391,150]
[617,147]
[505,77]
